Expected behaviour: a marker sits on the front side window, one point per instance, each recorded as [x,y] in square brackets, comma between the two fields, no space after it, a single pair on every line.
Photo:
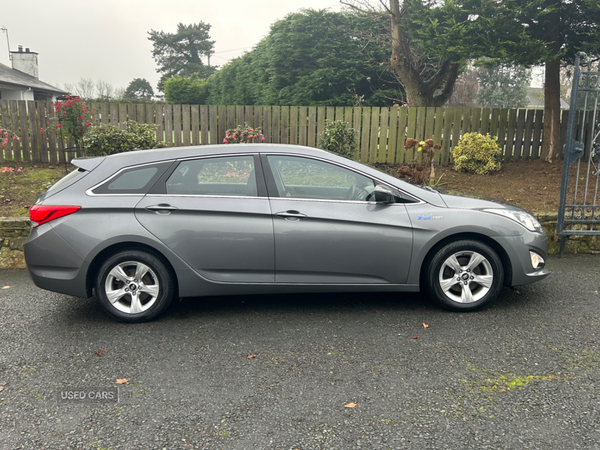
[229,176]
[298,177]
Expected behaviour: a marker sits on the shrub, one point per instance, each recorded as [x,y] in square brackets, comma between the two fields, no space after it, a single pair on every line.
[187,91]
[338,138]
[476,153]
[72,118]
[107,139]
[420,172]
[242,134]
[6,136]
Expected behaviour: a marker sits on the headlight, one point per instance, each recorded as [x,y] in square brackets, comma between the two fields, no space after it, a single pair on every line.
[522,217]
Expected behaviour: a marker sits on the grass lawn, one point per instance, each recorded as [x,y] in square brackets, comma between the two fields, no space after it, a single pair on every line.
[19,188]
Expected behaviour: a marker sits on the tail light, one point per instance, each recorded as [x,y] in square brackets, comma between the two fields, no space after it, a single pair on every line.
[40,214]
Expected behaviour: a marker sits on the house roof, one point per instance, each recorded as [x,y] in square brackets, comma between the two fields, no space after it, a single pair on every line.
[536,98]
[21,79]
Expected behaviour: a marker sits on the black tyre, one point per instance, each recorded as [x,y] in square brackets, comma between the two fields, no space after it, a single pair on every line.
[134,286]
[464,276]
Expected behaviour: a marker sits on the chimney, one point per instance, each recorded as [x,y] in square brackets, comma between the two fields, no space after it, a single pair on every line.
[25,61]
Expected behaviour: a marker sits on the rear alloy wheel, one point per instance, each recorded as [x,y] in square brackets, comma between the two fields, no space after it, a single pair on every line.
[134,286]
[465,276]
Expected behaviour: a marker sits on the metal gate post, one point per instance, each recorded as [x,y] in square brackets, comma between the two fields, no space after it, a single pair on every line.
[583,212]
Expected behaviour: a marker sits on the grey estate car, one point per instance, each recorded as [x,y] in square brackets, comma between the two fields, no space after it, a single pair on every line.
[144,227]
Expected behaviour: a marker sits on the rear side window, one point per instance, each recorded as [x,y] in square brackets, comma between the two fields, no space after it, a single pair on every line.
[135,180]
[222,176]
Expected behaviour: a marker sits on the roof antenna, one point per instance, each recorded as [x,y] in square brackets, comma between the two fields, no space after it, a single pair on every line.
[7,41]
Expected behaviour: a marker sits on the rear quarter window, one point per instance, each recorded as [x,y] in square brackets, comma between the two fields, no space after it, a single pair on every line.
[134,180]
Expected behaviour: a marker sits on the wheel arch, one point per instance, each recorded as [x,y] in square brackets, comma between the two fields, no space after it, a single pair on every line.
[506,263]
[115,248]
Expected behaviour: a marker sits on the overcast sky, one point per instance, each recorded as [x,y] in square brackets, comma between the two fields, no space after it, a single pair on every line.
[107,39]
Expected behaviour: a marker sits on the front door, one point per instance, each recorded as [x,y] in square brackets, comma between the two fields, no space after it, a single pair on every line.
[328,229]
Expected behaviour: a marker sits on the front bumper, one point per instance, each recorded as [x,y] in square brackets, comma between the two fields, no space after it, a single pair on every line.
[517,248]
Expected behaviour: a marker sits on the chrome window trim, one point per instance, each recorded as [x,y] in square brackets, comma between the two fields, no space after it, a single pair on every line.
[220,155]
[106,180]
[206,196]
[268,198]
[332,201]
[352,169]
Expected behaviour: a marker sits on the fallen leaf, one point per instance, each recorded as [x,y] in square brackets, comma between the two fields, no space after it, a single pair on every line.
[1,388]
[425,325]
[101,352]
[5,287]
[251,356]
[349,405]
[122,380]
[415,337]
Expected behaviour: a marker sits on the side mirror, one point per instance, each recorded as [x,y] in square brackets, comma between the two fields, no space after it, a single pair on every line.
[383,195]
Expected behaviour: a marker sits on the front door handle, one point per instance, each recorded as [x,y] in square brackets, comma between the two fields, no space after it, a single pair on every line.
[291,214]
[161,207]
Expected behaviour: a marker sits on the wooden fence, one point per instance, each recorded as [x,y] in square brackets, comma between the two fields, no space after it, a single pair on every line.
[383,131]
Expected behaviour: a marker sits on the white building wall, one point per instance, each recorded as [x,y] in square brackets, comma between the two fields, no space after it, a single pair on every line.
[15,94]
[26,62]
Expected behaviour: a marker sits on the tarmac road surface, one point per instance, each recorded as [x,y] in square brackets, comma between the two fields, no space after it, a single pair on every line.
[344,371]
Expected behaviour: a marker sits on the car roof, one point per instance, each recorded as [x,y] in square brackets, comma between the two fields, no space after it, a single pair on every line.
[145,156]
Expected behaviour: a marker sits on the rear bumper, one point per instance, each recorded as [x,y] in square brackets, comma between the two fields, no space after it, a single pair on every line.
[53,264]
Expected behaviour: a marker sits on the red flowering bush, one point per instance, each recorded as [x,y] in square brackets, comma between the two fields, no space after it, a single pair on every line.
[6,136]
[242,135]
[72,117]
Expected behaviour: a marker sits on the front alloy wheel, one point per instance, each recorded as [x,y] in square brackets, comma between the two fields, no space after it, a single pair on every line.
[134,286]
[465,275]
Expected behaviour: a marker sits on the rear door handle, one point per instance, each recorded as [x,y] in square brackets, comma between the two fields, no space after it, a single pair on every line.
[291,214]
[161,207]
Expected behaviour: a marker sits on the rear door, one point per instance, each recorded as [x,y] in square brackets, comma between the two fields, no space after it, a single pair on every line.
[328,229]
[214,213]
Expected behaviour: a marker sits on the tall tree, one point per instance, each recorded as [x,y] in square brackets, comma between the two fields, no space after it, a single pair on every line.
[430,41]
[83,88]
[561,28]
[104,90]
[311,58]
[566,27]
[182,53]
[139,88]
[427,72]
[503,85]
[429,37]
[186,90]
[465,89]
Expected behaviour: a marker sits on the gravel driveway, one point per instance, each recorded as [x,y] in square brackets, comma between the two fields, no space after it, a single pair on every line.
[344,371]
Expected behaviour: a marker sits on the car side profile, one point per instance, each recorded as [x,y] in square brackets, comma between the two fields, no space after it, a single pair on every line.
[141,228]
